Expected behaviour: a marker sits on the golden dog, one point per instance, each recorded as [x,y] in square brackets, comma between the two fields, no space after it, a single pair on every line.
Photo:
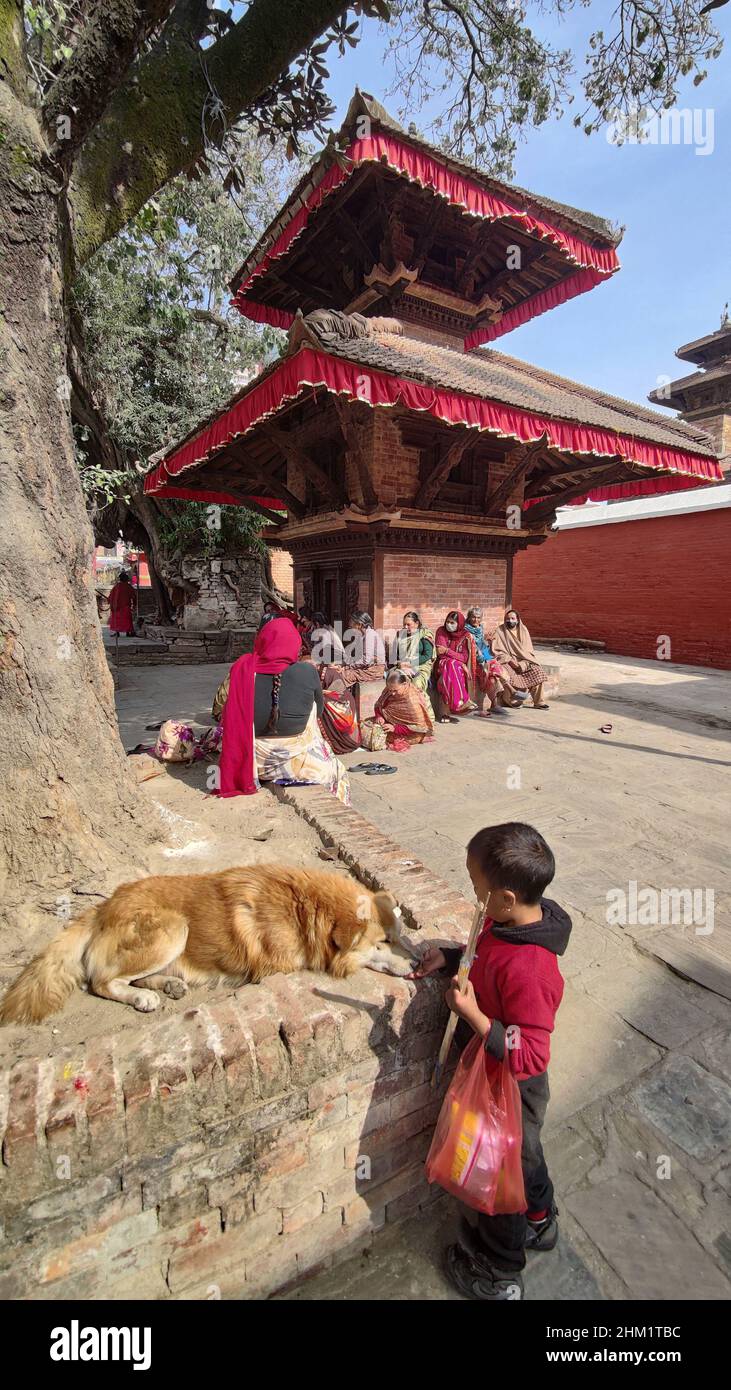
[240,924]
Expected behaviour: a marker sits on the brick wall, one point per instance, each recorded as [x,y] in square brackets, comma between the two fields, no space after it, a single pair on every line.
[232,1148]
[282,573]
[630,582]
[395,469]
[433,584]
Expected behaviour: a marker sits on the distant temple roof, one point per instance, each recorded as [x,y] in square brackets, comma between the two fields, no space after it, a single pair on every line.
[423,230]
[709,348]
[704,395]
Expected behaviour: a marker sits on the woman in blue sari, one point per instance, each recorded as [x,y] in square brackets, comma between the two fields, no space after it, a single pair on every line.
[490,679]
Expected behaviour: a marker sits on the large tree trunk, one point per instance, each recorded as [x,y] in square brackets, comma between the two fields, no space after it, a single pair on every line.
[69,812]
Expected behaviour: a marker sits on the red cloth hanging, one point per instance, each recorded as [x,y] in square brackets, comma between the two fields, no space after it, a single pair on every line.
[277,646]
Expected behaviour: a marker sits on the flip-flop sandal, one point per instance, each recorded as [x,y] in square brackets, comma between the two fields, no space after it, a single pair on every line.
[541,706]
[605,729]
[360,767]
[379,768]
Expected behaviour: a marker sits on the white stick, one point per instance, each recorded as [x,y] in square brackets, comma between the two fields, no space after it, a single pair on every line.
[465,966]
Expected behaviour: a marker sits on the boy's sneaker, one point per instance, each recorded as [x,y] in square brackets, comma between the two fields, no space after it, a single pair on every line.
[543,1235]
[478,1280]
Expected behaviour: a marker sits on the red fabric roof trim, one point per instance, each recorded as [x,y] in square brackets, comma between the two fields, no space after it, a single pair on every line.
[226,499]
[264,313]
[461,192]
[309,369]
[539,303]
[619,492]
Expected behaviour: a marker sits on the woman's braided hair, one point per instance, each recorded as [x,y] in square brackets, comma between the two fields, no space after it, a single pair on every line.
[274,715]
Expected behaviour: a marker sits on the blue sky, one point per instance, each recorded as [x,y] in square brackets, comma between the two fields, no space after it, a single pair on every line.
[676,274]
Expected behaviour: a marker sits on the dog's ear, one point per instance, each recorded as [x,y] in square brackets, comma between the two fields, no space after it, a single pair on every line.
[388,914]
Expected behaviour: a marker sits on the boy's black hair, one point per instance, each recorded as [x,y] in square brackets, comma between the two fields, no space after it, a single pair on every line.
[516,857]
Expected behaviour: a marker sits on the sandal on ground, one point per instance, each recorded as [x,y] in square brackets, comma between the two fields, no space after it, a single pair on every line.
[541,706]
[379,768]
[479,1281]
[360,767]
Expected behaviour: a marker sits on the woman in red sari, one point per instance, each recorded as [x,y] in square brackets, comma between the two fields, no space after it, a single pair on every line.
[120,607]
[456,666]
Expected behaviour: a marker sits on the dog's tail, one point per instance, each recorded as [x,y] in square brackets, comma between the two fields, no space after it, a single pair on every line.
[45,984]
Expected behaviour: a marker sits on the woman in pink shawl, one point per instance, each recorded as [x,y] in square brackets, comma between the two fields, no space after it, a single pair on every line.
[270,729]
[455,667]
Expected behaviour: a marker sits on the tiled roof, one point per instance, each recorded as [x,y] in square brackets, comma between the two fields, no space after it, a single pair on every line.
[497,377]
[597,228]
[587,221]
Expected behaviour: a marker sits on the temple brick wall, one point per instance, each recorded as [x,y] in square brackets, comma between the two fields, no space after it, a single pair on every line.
[630,582]
[432,585]
[282,570]
[395,469]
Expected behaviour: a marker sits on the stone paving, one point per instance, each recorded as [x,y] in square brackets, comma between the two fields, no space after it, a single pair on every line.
[639,1122]
[640,1117]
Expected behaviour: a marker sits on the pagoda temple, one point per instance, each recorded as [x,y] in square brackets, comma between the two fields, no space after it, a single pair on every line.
[704,396]
[411,460]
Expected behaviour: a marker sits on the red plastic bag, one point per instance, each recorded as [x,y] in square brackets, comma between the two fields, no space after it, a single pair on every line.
[475,1152]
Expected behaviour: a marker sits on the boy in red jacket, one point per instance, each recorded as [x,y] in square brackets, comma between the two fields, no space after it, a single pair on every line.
[511,1000]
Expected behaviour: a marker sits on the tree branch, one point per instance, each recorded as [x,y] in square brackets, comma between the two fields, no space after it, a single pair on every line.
[107,46]
[208,316]
[13,63]
[154,127]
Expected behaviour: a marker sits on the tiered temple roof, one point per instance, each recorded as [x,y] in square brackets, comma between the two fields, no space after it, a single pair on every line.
[392,219]
[398,229]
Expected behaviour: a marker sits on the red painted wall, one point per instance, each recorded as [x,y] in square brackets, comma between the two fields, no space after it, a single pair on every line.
[632,582]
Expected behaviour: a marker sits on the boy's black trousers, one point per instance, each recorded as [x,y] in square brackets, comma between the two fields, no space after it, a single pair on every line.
[500,1240]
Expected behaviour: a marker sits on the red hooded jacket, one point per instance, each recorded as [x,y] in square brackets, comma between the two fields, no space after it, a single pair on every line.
[519,986]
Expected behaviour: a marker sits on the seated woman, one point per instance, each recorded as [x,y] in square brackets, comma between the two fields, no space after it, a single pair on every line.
[368,660]
[338,720]
[513,648]
[324,643]
[270,729]
[456,665]
[489,674]
[403,712]
[415,653]
[303,623]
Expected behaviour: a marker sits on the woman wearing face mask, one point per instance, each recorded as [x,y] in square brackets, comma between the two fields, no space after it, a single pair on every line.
[456,664]
[513,648]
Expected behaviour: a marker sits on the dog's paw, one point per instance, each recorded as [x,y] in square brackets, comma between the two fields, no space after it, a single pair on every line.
[176,989]
[146,1001]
